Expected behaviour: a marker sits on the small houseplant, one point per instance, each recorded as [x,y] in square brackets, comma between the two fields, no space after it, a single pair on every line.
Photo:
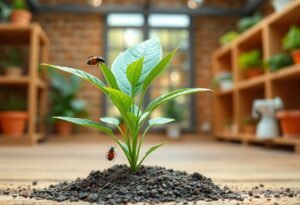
[278,61]
[289,122]
[251,63]
[20,14]
[173,110]
[4,11]
[228,37]
[126,85]
[13,66]
[291,42]
[224,81]
[13,116]
[64,102]
[248,22]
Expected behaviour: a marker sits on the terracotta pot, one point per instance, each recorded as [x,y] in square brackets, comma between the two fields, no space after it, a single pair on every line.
[13,71]
[250,129]
[20,17]
[296,56]
[13,123]
[64,128]
[253,72]
[290,122]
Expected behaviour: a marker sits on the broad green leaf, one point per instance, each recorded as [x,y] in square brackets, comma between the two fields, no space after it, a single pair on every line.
[152,149]
[86,123]
[160,121]
[84,75]
[158,69]
[110,120]
[120,99]
[169,96]
[134,72]
[150,50]
[109,76]
[134,109]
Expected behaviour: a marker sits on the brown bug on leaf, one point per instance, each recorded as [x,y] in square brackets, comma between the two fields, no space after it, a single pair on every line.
[93,60]
[111,154]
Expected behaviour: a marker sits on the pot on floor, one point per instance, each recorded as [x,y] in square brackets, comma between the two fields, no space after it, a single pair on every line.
[63,128]
[13,122]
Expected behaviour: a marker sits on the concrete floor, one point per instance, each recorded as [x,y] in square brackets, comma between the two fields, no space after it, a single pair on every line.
[225,163]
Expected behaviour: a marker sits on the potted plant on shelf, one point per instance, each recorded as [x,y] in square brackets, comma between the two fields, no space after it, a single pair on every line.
[13,116]
[251,63]
[64,102]
[224,81]
[13,66]
[20,14]
[289,122]
[173,110]
[248,22]
[279,61]
[249,125]
[4,11]
[291,42]
[228,37]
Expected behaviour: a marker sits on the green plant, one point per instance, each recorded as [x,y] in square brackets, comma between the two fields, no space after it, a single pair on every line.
[173,110]
[291,40]
[63,96]
[4,11]
[278,61]
[127,83]
[14,59]
[14,102]
[228,37]
[247,22]
[19,5]
[251,59]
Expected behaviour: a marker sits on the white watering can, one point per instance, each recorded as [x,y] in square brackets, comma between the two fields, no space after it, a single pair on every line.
[267,127]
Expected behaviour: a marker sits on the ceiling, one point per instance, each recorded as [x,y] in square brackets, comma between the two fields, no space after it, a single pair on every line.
[209,8]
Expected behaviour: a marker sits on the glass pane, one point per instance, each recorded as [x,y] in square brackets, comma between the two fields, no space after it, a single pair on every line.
[125,20]
[169,20]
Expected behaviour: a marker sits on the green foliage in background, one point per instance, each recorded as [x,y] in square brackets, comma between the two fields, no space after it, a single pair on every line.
[247,22]
[19,4]
[4,11]
[14,59]
[14,102]
[174,110]
[250,59]
[228,37]
[279,61]
[126,85]
[291,40]
[63,96]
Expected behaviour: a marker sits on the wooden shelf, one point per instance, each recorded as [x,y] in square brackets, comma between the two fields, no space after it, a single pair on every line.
[36,88]
[20,140]
[24,80]
[253,82]
[284,83]
[291,72]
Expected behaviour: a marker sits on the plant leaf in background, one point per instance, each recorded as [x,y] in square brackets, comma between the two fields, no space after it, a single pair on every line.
[110,120]
[160,121]
[150,50]
[279,61]
[291,40]
[247,22]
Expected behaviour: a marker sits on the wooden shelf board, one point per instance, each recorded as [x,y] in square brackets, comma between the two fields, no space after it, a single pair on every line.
[18,34]
[224,93]
[23,80]
[226,136]
[21,140]
[290,72]
[253,82]
[224,50]
[252,32]
[287,141]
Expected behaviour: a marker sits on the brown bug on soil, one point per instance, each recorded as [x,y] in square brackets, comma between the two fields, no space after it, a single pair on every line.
[111,154]
[93,60]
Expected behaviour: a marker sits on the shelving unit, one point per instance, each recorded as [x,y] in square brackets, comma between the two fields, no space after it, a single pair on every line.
[236,104]
[33,83]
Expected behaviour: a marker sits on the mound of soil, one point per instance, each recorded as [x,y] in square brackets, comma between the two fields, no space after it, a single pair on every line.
[150,184]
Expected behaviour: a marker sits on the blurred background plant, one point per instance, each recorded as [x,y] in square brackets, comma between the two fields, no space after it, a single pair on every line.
[278,61]
[5,11]
[173,110]
[248,22]
[228,37]
[13,65]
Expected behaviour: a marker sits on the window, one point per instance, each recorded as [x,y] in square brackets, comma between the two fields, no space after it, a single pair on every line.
[125,30]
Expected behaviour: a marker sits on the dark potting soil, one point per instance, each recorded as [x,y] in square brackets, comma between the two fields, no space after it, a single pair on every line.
[118,185]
